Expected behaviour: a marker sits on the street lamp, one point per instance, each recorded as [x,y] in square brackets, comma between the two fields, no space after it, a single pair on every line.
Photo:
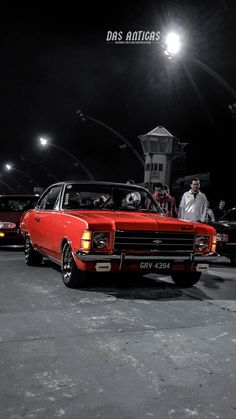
[171,45]
[44,142]
[232,109]
[84,117]
[8,186]
[23,158]
[9,167]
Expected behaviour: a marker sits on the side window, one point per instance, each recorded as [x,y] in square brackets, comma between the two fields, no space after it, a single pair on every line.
[42,203]
[49,200]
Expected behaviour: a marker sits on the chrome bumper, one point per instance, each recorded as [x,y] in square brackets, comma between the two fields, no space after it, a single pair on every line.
[123,257]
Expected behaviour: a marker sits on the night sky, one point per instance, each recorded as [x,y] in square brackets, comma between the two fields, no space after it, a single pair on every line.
[54,62]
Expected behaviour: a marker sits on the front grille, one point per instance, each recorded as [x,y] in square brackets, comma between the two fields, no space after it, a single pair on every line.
[154,241]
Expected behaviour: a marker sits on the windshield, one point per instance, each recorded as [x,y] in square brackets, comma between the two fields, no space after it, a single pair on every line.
[229,216]
[21,204]
[105,197]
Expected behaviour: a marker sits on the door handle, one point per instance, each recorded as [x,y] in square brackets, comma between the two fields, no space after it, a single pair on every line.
[37,219]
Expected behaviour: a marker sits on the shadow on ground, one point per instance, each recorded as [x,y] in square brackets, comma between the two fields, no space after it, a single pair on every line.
[131,286]
[149,287]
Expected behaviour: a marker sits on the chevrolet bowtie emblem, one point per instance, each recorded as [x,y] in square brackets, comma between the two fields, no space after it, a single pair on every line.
[157,241]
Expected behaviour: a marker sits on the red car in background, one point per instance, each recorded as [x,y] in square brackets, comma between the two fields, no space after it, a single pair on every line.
[12,207]
[92,227]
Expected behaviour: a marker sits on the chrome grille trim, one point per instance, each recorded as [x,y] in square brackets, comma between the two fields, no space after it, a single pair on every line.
[143,240]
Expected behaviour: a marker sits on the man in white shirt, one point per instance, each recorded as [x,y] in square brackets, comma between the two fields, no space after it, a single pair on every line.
[194,204]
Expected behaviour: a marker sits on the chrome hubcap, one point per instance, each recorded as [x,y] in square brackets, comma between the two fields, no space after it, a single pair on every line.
[67,265]
[27,248]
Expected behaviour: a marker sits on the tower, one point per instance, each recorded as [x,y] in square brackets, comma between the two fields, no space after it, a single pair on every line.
[164,157]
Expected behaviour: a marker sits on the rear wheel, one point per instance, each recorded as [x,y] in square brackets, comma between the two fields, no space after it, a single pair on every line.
[71,275]
[186,279]
[32,257]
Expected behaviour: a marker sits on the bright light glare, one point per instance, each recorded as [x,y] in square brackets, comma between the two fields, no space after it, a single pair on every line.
[8,166]
[172,43]
[43,141]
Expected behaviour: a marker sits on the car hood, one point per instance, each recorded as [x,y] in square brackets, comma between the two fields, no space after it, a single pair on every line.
[223,226]
[122,220]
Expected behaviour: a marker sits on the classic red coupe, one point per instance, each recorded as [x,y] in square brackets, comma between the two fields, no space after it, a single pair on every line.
[114,228]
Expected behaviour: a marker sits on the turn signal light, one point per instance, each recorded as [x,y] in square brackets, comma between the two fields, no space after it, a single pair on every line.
[86,240]
[213,244]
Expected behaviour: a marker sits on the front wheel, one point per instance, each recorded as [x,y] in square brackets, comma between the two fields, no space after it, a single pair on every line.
[186,279]
[32,257]
[72,277]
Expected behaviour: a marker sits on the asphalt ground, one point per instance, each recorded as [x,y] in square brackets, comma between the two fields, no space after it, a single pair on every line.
[133,349]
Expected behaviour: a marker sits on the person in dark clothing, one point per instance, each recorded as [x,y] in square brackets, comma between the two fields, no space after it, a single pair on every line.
[162,198]
[220,210]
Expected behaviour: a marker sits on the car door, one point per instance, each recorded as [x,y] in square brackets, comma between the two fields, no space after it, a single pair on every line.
[44,218]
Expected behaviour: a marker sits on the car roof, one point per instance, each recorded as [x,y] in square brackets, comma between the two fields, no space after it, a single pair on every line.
[14,196]
[99,183]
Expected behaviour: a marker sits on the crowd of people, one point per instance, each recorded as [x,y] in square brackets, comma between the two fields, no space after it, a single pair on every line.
[194,205]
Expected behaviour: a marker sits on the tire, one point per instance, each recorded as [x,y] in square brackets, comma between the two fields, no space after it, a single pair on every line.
[71,275]
[233,259]
[186,279]
[32,257]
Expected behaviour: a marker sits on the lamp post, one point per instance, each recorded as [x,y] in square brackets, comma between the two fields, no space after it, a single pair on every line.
[19,185]
[9,167]
[172,46]
[23,158]
[44,142]
[84,117]
[215,76]
[8,186]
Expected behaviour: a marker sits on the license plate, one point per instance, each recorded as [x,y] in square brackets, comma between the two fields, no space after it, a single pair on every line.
[156,266]
[202,267]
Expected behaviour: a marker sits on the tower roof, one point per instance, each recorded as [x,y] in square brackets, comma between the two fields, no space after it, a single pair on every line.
[158,132]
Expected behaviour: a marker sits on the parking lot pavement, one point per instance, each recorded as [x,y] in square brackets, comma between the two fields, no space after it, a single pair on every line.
[129,350]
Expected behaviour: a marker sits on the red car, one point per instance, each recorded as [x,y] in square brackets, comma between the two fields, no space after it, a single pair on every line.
[12,208]
[113,228]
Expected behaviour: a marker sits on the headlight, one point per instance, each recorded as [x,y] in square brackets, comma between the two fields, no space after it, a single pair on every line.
[202,242]
[7,224]
[222,237]
[101,240]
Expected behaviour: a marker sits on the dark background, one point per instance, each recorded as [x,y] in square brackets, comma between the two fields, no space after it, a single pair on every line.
[55,61]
